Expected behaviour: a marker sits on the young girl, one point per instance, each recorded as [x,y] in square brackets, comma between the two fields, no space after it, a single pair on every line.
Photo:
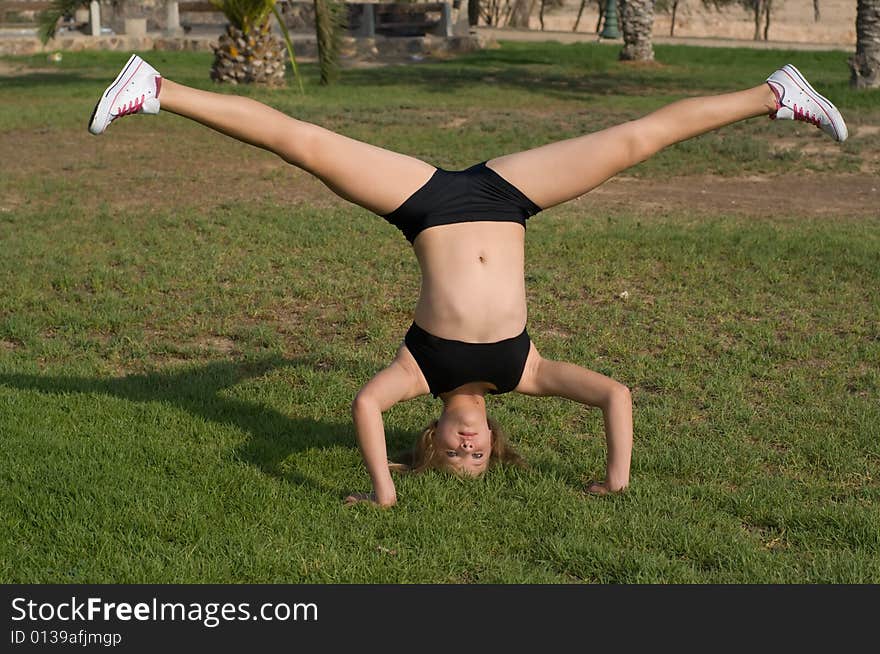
[467,228]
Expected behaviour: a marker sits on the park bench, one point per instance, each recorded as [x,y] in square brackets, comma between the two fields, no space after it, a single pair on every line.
[416,19]
[400,19]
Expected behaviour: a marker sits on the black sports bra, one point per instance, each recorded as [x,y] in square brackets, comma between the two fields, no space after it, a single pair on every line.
[472,195]
[448,364]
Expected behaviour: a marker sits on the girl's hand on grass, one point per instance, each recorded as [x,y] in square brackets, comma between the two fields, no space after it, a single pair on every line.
[602,488]
[369,498]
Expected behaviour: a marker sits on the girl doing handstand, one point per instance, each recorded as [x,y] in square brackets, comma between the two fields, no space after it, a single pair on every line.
[467,228]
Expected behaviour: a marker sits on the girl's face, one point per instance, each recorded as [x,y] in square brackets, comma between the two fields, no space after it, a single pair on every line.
[463,440]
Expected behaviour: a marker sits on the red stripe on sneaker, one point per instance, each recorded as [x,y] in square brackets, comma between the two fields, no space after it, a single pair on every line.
[776,92]
[126,83]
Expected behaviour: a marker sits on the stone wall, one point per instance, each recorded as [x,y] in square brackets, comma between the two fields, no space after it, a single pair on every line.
[353,49]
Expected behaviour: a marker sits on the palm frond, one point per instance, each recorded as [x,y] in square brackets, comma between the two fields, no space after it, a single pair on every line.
[246,15]
[329,21]
[289,45]
[47,20]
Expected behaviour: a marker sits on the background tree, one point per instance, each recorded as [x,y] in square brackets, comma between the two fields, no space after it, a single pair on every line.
[329,23]
[58,9]
[547,5]
[761,10]
[473,12]
[668,7]
[600,8]
[521,12]
[497,12]
[865,63]
[637,25]
[247,52]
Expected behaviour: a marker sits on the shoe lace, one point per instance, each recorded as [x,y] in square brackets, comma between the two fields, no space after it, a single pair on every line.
[131,108]
[802,114]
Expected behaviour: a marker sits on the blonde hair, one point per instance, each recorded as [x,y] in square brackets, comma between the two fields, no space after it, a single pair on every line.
[424,456]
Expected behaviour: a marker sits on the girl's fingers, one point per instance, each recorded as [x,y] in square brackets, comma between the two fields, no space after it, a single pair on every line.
[354,498]
[597,489]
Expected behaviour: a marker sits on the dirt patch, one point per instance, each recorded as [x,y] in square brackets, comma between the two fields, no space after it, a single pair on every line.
[803,195]
[159,174]
[218,344]
[455,123]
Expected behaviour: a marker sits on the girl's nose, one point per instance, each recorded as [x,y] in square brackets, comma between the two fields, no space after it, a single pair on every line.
[467,445]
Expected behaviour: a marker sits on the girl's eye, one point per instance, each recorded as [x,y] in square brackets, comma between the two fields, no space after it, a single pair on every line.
[451,453]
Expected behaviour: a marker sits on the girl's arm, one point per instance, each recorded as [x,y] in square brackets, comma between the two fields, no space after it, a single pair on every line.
[543,377]
[400,381]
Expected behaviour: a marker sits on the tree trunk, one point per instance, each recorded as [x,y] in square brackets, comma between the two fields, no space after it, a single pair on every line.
[258,57]
[865,63]
[473,12]
[672,22]
[328,32]
[817,14]
[758,6]
[580,13]
[637,23]
[768,5]
[602,7]
[519,15]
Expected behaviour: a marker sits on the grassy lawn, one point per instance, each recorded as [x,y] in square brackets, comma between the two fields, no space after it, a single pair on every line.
[184,322]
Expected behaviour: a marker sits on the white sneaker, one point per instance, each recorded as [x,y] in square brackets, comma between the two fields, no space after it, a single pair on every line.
[797,100]
[134,91]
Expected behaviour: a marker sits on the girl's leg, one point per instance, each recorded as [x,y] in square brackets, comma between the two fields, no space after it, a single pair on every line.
[562,171]
[376,179]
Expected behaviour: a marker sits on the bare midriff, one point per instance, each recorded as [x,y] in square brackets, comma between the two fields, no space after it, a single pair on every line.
[473,284]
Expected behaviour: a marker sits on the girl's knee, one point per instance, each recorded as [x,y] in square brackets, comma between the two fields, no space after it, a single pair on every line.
[641,143]
[298,145]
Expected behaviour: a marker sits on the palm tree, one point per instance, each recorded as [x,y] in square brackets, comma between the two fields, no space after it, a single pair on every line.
[248,52]
[865,63]
[329,21]
[58,9]
[637,23]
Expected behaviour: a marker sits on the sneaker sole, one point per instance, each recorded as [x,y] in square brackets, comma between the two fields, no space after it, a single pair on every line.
[833,114]
[106,101]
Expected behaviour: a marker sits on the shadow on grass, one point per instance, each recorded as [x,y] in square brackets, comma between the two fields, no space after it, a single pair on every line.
[574,71]
[273,436]
[537,78]
[39,80]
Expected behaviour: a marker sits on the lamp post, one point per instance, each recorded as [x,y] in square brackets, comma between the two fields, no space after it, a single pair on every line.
[609,29]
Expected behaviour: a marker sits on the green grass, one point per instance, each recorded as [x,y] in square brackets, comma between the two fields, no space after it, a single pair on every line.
[176,367]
